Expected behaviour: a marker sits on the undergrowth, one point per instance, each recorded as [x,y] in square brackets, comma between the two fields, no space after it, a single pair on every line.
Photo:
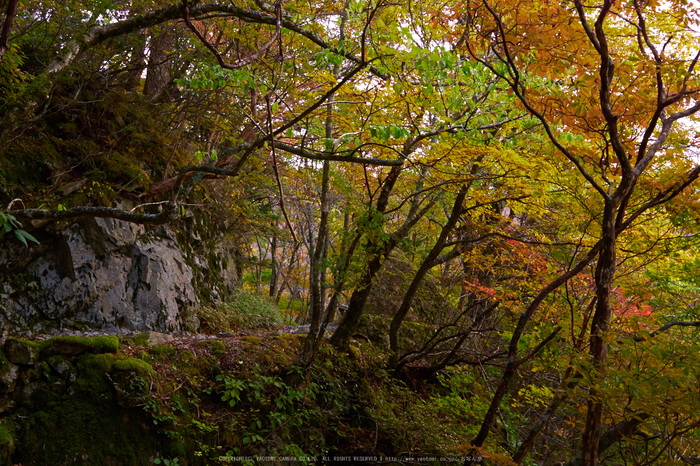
[243,311]
[235,399]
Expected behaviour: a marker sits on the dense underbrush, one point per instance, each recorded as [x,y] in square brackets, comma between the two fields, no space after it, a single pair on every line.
[202,400]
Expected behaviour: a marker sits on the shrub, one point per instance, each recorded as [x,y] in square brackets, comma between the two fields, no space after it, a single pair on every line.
[245,310]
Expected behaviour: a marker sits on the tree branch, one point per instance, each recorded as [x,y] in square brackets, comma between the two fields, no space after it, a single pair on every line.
[238,63]
[7,27]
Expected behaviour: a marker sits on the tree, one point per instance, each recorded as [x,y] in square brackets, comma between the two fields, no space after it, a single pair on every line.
[96,29]
[7,17]
[538,161]
[638,103]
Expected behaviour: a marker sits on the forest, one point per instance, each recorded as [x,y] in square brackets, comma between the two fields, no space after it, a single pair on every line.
[496,199]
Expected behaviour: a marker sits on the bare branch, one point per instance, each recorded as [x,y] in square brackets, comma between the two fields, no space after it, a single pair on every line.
[245,61]
[276,170]
[99,34]
[539,347]
[316,155]
[584,22]
[75,213]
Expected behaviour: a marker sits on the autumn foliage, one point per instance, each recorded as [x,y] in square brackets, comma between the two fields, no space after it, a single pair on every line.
[534,161]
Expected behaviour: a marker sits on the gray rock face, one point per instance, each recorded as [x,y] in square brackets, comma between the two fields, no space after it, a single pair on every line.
[101,274]
[8,377]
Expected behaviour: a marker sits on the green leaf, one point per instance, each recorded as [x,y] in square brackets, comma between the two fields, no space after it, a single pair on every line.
[26,236]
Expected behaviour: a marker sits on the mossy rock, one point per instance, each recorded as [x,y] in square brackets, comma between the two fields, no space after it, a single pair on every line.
[187,358]
[21,351]
[289,341]
[144,356]
[75,346]
[133,365]
[8,375]
[139,340]
[7,441]
[63,367]
[91,375]
[86,431]
[215,347]
[162,353]
[285,348]
[354,352]
[251,340]
[87,425]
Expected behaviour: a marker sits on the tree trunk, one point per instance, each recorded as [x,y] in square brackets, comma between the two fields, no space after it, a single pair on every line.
[512,362]
[316,298]
[427,264]
[274,272]
[347,326]
[318,273]
[8,10]
[614,435]
[340,276]
[604,276]
[158,69]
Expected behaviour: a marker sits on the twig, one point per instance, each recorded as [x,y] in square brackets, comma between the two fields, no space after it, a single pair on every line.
[274,166]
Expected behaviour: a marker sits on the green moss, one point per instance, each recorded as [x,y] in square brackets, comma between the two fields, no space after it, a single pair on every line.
[354,352]
[133,365]
[162,353]
[73,346]
[251,340]
[141,339]
[24,342]
[105,362]
[215,347]
[89,424]
[7,440]
[86,431]
[7,432]
[91,375]
[187,358]
[205,366]
[289,341]
[285,348]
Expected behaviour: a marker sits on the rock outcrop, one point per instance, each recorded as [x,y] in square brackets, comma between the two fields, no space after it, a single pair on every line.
[112,276]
